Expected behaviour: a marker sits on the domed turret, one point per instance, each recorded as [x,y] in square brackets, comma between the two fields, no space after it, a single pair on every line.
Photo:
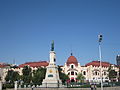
[72,60]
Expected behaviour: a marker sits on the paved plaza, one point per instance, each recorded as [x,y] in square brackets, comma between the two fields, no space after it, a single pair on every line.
[106,88]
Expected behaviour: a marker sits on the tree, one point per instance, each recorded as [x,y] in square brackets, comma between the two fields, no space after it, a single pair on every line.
[62,75]
[112,73]
[119,74]
[27,74]
[80,77]
[12,76]
[38,75]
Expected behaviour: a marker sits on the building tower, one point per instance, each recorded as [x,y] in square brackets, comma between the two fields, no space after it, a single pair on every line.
[52,75]
[118,59]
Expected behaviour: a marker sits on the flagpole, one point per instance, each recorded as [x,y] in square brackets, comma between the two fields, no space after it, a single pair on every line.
[100,57]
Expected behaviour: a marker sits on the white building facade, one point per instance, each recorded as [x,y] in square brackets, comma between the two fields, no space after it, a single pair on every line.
[91,71]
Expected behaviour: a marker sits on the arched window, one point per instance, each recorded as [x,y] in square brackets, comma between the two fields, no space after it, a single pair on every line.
[84,73]
[68,73]
[96,73]
[72,66]
[75,73]
[104,73]
[72,73]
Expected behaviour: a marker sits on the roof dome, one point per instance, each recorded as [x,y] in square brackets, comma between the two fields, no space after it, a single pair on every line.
[72,60]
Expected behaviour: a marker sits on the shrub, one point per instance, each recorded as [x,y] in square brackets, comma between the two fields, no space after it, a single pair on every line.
[8,86]
[85,86]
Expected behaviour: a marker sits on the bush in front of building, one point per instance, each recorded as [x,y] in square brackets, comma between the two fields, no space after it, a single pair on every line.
[85,86]
[117,83]
[8,85]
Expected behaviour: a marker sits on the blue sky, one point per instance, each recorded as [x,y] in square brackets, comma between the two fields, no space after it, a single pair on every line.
[27,28]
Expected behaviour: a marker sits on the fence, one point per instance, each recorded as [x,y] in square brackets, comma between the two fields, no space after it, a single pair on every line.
[59,85]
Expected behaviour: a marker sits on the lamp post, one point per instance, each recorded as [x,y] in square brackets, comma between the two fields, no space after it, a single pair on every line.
[100,57]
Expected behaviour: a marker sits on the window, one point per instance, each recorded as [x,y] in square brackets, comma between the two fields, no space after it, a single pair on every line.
[72,73]
[96,73]
[106,78]
[54,60]
[84,73]
[72,66]
[104,73]
[75,73]
[68,73]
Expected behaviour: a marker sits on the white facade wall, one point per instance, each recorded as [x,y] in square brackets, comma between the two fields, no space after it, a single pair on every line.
[91,73]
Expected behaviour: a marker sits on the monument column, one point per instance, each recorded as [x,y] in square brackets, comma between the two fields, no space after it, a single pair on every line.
[15,85]
[52,75]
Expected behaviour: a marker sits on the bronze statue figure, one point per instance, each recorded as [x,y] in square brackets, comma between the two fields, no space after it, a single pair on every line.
[52,46]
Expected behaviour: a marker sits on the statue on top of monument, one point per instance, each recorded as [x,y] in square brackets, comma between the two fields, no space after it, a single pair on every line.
[52,46]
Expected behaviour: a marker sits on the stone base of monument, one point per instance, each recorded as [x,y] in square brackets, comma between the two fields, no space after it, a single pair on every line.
[52,77]
[51,83]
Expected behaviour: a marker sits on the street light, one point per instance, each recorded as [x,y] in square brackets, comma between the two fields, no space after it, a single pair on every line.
[100,57]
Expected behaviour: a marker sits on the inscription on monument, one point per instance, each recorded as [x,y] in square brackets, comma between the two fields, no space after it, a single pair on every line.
[50,75]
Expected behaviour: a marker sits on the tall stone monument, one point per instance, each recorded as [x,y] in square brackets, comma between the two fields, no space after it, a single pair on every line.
[52,75]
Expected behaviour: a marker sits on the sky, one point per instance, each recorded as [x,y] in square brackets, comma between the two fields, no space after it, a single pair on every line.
[27,28]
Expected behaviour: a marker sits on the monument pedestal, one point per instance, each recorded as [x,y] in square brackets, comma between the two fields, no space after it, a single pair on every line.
[52,77]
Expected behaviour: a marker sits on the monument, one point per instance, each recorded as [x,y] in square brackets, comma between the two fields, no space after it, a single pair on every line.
[52,75]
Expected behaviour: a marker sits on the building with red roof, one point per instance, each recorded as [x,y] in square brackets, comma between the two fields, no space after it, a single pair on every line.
[3,71]
[4,65]
[97,64]
[71,67]
[71,60]
[34,64]
[91,70]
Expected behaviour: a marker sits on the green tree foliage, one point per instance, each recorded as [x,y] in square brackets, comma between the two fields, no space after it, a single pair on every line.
[27,74]
[62,75]
[38,75]
[12,76]
[112,73]
[80,77]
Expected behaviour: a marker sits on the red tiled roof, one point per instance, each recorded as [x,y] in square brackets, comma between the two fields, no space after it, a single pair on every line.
[72,60]
[2,65]
[97,63]
[35,64]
